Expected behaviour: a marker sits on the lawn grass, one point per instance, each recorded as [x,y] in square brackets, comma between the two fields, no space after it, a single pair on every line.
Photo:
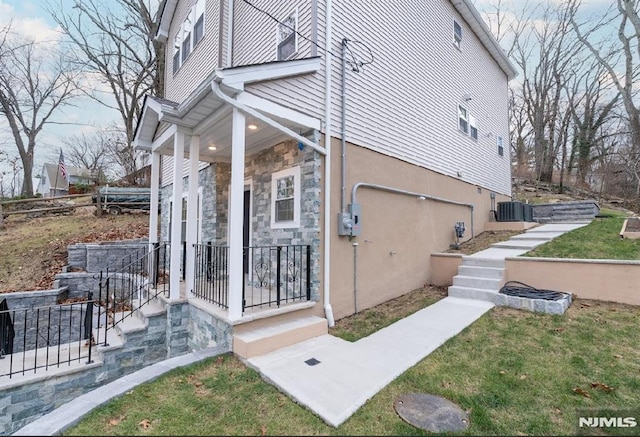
[598,240]
[367,322]
[514,371]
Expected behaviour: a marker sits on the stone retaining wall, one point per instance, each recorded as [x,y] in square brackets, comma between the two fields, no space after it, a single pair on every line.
[95,257]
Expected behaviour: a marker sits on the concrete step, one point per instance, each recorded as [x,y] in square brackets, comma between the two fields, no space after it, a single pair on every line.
[481,272]
[263,339]
[476,282]
[472,293]
[477,261]
[537,236]
[151,309]
[519,244]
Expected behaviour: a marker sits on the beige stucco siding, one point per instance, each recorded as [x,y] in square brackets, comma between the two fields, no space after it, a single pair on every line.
[399,233]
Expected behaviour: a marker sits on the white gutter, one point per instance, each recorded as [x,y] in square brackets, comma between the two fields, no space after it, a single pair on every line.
[215,86]
[327,167]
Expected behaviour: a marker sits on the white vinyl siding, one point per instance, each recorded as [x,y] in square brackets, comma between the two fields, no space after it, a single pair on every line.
[419,81]
[166,169]
[203,56]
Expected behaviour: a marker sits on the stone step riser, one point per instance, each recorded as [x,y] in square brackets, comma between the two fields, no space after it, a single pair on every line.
[534,305]
[483,262]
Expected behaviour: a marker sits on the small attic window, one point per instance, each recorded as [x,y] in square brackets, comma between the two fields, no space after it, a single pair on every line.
[286,37]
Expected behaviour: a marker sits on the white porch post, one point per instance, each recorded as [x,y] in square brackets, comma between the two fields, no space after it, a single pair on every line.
[176,216]
[155,197]
[236,215]
[192,214]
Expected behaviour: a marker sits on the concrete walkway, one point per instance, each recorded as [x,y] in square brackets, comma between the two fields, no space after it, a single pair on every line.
[348,374]
[330,376]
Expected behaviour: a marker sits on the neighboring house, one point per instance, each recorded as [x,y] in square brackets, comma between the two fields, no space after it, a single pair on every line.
[263,174]
[53,184]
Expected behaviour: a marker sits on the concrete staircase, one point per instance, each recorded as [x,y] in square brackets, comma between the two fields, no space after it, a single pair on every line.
[579,211]
[481,275]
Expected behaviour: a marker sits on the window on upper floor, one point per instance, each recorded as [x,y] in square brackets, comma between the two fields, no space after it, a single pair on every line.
[473,127]
[285,198]
[463,119]
[189,34]
[287,37]
[457,35]
[499,143]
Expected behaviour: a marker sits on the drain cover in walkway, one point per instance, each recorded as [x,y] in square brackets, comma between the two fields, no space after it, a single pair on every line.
[431,413]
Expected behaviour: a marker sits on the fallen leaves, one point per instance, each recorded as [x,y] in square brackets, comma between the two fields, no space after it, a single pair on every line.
[582,392]
[115,421]
[145,424]
[601,386]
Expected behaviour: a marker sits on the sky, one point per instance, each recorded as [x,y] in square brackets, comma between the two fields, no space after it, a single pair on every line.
[30,17]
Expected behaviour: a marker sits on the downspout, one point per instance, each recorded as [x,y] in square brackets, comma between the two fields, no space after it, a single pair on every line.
[343,139]
[230,34]
[327,166]
[354,199]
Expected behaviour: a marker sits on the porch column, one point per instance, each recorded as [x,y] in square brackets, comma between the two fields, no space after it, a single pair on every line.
[155,198]
[236,216]
[176,216]
[192,214]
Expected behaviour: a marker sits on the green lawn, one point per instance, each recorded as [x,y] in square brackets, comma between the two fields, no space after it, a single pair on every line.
[514,371]
[598,240]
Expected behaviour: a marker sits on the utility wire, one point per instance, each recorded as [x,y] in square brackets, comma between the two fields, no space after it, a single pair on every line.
[286,25]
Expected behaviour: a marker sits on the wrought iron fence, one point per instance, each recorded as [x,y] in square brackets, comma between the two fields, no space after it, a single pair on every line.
[133,284]
[45,337]
[273,275]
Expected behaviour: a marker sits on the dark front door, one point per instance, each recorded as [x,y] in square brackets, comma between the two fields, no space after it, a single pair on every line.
[247,223]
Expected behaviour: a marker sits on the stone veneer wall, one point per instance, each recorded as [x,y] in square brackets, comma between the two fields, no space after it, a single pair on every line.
[166,335]
[259,167]
[93,257]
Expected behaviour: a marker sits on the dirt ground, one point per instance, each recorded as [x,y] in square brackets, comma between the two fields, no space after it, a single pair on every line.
[483,241]
[34,250]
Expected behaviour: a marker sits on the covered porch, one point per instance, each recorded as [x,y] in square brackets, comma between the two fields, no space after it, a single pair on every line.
[235,192]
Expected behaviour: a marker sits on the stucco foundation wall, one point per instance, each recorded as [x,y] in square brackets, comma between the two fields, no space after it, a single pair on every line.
[444,266]
[399,233]
[606,280]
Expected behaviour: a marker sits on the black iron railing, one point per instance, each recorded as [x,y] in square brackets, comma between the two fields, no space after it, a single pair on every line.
[273,275]
[131,285]
[46,337]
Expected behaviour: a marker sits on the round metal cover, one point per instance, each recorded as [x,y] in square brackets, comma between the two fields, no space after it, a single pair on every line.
[431,413]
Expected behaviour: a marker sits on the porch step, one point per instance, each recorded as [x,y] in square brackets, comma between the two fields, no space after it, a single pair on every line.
[481,272]
[473,293]
[267,338]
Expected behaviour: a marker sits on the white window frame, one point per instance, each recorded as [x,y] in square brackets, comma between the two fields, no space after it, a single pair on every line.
[275,177]
[473,127]
[279,27]
[500,145]
[463,116]
[198,13]
[457,37]
[185,41]
[184,198]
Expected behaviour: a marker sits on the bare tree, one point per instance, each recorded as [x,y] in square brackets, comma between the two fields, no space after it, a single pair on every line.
[544,50]
[35,83]
[620,59]
[91,152]
[125,160]
[115,41]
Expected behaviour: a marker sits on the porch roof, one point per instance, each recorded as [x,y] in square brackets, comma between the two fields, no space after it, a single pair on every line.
[208,114]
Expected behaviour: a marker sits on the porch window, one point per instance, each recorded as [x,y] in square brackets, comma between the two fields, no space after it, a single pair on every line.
[285,199]
[286,37]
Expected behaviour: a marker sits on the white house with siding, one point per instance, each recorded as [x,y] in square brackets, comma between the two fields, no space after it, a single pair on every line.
[321,150]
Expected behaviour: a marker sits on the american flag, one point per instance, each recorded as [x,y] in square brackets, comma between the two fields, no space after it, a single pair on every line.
[63,168]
